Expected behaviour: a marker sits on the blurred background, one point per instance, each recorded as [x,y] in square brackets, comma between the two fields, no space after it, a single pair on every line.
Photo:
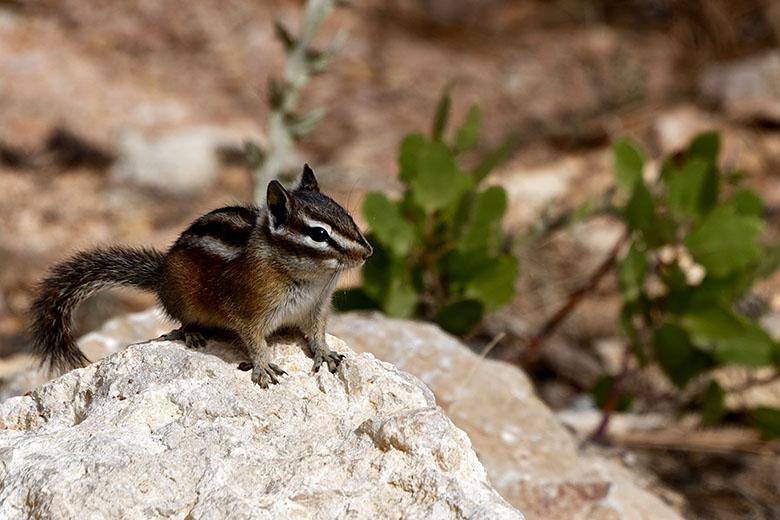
[120,122]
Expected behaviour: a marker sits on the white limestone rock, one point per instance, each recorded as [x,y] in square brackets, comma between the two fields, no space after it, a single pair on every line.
[161,431]
[532,460]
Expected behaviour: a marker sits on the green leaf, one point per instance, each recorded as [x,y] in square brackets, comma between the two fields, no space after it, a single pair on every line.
[468,134]
[705,146]
[482,230]
[767,421]
[461,267]
[734,339]
[676,354]
[679,290]
[628,164]
[379,270]
[401,299]
[713,408]
[353,299]
[409,156]
[631,273]
[640,210]
[746,202]
[601,388]
[495,284]
[754,348]
[459,216]
[626,319]
[662,230]
[769,261]
[438,183]
[442,114]
[493,158]
[388,223]
[723,291]
[460,317]
[413,212]
[713,323]
[725,241]
[692,190]
[601,391]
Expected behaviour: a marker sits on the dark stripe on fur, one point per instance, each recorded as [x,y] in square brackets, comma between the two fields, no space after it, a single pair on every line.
[72,281]
[231,226]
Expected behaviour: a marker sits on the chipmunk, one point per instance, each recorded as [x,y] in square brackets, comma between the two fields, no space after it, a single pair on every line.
[243,269]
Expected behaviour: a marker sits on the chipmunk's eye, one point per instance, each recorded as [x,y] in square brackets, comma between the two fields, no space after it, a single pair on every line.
[317,234]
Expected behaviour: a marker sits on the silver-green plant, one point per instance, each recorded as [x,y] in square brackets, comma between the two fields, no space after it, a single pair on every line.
[285,124]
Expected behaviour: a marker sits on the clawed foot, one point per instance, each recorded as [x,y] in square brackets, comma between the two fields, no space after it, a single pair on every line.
[191,339]
[328,356]
[263,374]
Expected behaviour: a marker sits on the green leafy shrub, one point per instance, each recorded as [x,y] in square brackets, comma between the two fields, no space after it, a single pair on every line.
[439,252]
[695,250]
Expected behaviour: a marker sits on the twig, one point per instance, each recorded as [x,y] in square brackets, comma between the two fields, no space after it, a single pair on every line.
[722,440]
[753,382]
[612,398]
[552,324]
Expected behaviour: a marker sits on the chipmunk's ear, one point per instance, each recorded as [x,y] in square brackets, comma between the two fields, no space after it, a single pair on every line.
[278,201]
[308,180]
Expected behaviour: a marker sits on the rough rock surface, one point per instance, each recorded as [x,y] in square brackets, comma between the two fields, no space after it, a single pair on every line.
[529,456]
[160,431]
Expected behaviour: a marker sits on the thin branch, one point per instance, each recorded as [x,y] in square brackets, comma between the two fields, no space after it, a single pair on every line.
[613,397]
[754,382]
[552,324]
[721,440]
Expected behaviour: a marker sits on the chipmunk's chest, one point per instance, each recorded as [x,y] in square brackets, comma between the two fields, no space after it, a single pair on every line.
[302,301]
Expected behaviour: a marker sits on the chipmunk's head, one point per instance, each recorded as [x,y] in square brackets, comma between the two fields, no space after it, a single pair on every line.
[313,230]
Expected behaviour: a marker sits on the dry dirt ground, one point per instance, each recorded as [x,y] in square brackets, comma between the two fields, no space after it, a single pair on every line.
[78,81]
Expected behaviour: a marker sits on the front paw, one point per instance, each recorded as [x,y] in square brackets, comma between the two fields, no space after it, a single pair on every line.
[264,374]
[194,340]
[323,354]
[191,339]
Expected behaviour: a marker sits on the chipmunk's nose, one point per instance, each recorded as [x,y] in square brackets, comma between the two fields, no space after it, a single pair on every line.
[368,252]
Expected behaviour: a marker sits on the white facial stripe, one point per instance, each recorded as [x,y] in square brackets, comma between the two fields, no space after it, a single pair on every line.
[331,263]
[341,240]
[299,239]
[316,223]
[218,247]
[310,242]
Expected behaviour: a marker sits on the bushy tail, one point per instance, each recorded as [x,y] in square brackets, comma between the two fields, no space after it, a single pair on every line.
[72,281]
